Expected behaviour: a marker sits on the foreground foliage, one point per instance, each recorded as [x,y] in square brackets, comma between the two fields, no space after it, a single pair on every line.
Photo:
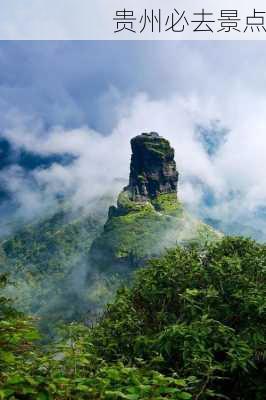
[196,313]
[191,326]
[47,261]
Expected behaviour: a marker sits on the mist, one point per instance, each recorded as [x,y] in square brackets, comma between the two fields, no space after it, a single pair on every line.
[72,111]
[227,184]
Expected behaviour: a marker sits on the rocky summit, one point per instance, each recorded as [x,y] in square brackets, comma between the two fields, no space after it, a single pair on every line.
[149,217]
[152,168]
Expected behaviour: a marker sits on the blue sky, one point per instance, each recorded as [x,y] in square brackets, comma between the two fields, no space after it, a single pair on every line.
[70,83]
[87,99]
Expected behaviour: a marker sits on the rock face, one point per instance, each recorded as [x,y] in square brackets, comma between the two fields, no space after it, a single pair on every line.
[148,217]
[152,168]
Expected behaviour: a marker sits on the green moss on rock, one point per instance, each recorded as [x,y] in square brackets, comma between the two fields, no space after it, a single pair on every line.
[126,205]
[145,229]
[168,203]
[160,149]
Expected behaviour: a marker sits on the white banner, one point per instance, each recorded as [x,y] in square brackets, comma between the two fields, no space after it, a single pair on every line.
[132,20]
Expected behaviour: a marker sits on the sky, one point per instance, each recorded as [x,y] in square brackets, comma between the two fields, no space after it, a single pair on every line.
[81,19]
[69,109]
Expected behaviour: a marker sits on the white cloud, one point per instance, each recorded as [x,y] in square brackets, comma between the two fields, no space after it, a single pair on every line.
[186,94]
[238,166]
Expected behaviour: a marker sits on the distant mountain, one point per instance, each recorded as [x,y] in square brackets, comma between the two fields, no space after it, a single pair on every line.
[236,228]
[29,161]
[48,263]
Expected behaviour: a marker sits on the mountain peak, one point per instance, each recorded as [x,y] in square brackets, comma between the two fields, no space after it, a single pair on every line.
[149,217]
[153,168]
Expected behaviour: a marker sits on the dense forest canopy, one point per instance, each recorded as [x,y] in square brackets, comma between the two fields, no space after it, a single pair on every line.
[191,326]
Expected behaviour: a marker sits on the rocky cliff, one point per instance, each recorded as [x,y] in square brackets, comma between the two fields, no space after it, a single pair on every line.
[152,168]
[148,217]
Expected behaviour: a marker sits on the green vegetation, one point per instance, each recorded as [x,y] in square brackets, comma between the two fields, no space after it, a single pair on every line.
[47,263]
[191,326]
[169,204]
[161,148]
[136,231]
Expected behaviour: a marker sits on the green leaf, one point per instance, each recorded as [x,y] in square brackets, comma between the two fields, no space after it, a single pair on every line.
[15,379]
[43,396]
[184,396]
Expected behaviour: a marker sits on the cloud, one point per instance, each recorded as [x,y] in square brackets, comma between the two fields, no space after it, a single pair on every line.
[90,109]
